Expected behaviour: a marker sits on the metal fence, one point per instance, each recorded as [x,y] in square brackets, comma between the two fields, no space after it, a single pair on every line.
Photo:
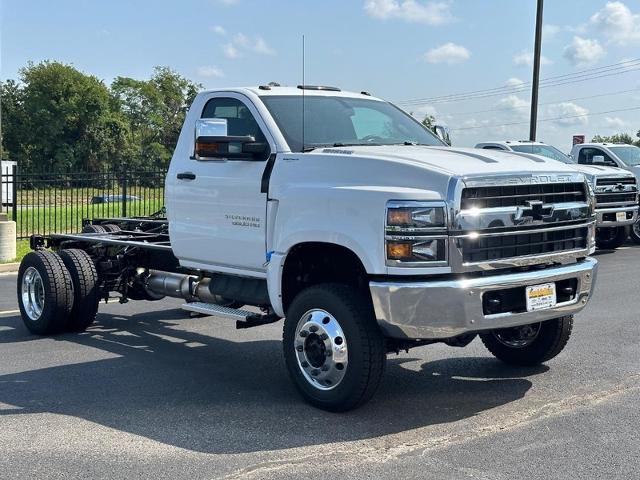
[57,202]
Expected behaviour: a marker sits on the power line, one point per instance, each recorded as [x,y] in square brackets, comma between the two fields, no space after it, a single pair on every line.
[556,102]
[566,117]
[599,72]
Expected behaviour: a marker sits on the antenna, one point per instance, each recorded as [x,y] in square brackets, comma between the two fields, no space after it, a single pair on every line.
[303,84]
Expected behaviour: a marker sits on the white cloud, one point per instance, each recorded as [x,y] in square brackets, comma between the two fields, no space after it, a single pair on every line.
[549,32]
[513,102]
[618,23]
[209,72]
[448,53]
[525,57]
[422,111]
[219,29]
[514,82]
[577,113]
[230,51]
[583,51]
[614,122]
[241,44]
[260,46]
[430,13]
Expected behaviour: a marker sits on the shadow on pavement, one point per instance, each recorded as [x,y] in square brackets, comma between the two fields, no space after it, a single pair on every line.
[210,395]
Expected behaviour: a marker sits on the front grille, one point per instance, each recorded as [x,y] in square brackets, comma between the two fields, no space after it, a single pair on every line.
[499,247]
[516,195]
[615,181]
[627,197]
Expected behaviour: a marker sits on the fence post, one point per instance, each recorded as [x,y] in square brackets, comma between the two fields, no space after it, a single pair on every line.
[14,193]
[124,194]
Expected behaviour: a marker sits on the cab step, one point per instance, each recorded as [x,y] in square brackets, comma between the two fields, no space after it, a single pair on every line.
[243,318]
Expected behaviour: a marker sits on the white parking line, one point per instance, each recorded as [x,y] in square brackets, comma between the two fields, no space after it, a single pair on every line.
[9,312]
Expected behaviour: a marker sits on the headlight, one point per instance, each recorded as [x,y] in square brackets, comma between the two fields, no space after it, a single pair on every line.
[416,234]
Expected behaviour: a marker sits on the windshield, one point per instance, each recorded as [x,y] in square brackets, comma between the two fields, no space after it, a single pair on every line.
[544,150]
[630,155]
[343,121]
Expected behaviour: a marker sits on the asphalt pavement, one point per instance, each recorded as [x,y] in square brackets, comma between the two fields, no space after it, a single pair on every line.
[148,392]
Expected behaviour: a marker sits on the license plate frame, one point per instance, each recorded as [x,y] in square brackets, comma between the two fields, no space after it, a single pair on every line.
[541,297]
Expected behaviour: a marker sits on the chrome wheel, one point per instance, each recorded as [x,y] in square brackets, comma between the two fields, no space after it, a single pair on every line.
[636,229]
[32,293]
[518,337]
[321,349]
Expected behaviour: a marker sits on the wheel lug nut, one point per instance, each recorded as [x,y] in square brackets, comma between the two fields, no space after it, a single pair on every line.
[315,372]
[324,336]
[329,353]
[304,364]
[300,348]
[304,333]
[313,328]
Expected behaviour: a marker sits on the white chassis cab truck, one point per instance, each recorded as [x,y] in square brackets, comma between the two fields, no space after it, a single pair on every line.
[616,189]
[354,223]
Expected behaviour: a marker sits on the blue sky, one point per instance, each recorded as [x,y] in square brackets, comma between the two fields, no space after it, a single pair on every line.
[396,49]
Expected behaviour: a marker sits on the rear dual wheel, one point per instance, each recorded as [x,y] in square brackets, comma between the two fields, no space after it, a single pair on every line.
[57,293]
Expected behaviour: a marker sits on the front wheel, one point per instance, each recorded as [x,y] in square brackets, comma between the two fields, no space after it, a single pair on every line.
[529,345]
[611,238]
[333,347]
[635,232]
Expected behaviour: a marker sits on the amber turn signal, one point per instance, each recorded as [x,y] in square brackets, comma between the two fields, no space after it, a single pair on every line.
[398,217]
[399,250]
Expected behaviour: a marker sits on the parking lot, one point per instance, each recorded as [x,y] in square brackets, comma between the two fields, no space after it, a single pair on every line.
[150,392]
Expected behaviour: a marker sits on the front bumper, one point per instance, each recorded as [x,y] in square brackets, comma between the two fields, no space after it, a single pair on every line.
[606,217]
[434,309]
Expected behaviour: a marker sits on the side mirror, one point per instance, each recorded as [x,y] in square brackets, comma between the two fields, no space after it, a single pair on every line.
[598,160]
[442,133]
[213,143]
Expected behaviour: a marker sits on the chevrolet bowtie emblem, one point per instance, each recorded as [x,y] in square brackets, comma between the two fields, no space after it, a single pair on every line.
[619,187]
[535,209]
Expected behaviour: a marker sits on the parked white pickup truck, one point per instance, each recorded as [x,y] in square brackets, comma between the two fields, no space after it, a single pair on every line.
[354,223]
[616,189]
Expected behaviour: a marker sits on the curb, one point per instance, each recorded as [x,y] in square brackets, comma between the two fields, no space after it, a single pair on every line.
[9,267]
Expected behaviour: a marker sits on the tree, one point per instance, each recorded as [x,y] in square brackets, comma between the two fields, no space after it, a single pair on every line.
[617,138]
[429,121]
[67,121]
[13,120]
[155,110]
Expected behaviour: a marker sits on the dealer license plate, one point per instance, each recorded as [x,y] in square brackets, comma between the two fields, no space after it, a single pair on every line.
[540,297]
[621,216]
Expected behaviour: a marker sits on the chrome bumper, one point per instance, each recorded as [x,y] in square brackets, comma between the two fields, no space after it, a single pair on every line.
[447,308]
[602,223]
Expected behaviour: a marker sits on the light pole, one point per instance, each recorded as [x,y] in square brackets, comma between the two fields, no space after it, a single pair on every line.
[536,73]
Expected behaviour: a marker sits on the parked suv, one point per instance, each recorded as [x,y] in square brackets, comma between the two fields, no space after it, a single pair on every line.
[616,189]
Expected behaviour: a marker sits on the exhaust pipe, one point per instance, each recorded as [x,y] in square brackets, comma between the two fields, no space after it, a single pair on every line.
[177,285]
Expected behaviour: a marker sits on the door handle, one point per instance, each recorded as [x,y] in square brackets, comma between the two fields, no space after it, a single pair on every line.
[186,176]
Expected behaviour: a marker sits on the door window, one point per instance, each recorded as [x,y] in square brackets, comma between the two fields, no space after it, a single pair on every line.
[585,156]
[240,120]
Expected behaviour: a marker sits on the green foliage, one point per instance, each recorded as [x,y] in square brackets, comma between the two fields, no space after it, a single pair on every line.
[57,117]
[429,121]
[618,138]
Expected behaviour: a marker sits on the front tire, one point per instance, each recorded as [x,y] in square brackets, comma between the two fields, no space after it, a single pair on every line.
[45,293]
[85,288]
[333,347]
[611,238]
[530,344]
[635,232]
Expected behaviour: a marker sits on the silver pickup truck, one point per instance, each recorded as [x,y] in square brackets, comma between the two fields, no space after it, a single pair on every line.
[616,189]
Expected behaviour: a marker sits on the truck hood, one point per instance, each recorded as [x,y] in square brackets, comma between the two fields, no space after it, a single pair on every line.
[462,162]
[601,170]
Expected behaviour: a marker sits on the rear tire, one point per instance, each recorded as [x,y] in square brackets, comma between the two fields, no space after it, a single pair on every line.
[333,347]
[531,344]
[85,289]
[89,228]
[111,228]
[634,232]
[611,238]
[45,293]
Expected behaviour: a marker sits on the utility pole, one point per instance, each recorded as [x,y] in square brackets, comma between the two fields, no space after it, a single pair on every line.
[3,216]
[536,73]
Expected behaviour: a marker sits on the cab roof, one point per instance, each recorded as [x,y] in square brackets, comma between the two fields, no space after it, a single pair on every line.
[309,90]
